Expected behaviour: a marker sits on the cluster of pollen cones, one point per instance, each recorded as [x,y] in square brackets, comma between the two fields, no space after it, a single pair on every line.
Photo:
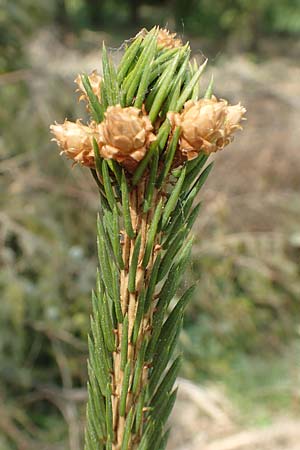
[206,125]
[147,117]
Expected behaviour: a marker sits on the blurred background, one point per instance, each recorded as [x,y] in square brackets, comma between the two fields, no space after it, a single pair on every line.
[240,381]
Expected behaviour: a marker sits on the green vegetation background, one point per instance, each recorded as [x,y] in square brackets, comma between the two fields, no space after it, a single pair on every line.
[242,328]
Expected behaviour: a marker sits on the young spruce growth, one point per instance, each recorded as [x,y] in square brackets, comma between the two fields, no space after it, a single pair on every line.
[149,137]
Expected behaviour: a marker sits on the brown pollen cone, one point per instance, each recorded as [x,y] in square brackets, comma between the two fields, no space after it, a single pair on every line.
[75,140]
[95,81]
[167,39]
[206,125]
[125,135]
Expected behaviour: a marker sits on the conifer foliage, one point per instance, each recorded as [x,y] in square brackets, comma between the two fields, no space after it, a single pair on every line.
[147,145]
